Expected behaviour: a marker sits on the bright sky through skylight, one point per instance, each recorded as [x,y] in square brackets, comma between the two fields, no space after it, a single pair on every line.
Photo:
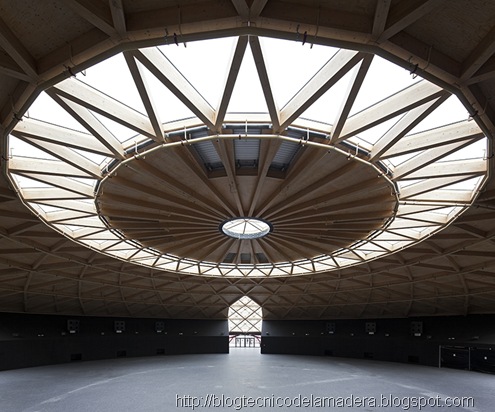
[431,176]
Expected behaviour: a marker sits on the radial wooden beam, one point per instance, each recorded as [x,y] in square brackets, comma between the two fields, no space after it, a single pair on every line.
[355,84]
[257,7]
[424,159]
[157,203]
[235,65]
[406,13]
[479,56]
[129,213]
[404,125]
[191,163]
[210,249]
[380,18]
[258,246]
[118,17]
[71,205]
[167,73]
[62,182]
[146,95]
[268,150]
[66,216]
[241,7]
[447,197]
[292,206]
[432,184]
[10,68]
[453,168]
[336,68]
[51,133]
[225,150]
[163,180]
[220,247]
[280,252]
[96,13]
[271,201]
[399,103]
[364,204]
[440,136]
[48,193]
[305,220]
[92,99]
[66,155]
[13,46]
[485,72]
[259,60]
[316,244]
[92,124]
[44,166]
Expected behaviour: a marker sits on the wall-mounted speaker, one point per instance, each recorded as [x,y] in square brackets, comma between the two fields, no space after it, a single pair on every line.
[119,326]
[159,326]
[416,328]
[370,328]
[330,327]
[73,325]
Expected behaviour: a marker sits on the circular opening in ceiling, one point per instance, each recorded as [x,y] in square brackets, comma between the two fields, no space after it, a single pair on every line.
[246,228]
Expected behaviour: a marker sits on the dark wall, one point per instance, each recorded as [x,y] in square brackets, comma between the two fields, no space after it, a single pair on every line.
[467,342]
[32,340]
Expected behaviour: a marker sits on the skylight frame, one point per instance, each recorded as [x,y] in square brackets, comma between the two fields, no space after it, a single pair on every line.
[391,238]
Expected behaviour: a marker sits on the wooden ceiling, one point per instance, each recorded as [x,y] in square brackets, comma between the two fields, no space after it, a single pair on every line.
[334,203]
[41,43]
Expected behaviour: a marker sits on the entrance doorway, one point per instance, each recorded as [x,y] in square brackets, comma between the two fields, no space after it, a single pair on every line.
[245,317]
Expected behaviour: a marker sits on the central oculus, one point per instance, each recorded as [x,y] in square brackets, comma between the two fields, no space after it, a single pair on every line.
[245,228]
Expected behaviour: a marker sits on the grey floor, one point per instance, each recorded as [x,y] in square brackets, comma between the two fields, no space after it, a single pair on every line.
[187,382]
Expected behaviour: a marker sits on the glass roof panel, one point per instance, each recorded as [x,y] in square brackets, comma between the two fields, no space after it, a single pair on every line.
[20,148]
[121,132]
[450,111]
[289,71]
[247,95]
[375,89]
[112,77]
[290,66]
[476,150]
[168,106]
[325,108]
[212,56]
[374,134]
[27,183]
[46,109]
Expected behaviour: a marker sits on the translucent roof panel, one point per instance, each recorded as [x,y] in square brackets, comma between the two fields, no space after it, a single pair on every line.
[144,156]
[382,80]
[168,106]
[215,69]
[450,111]
[288,73]
[46,109]
[104,78]
[247,95]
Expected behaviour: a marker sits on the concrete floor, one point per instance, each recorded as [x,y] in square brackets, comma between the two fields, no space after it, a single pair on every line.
[171,383]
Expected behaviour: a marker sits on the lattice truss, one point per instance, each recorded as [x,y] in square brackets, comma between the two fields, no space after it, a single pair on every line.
[245,316]
[102,131]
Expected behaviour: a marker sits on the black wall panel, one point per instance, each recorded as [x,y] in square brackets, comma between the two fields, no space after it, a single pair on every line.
[32,340]
[392,340]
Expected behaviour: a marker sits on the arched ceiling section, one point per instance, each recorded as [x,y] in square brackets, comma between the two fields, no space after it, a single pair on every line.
[450,273]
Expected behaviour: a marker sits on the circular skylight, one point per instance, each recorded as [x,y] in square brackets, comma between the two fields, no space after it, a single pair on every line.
[245,228]
[143,157]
